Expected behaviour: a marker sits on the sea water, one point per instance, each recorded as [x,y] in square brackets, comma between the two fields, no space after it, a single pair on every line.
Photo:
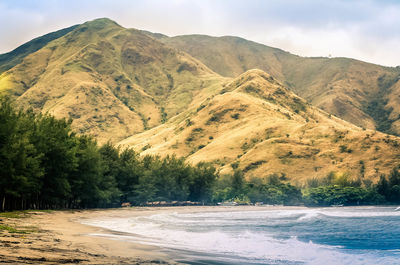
[343,235]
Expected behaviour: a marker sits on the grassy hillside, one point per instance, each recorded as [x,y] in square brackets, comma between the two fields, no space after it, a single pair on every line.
[113,82]
[259,126]
[145,90]
[10,59]
[356,91]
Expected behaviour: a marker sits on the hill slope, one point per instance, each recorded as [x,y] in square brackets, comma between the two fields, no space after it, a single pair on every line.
[10,59]
[356,91]
[116,83]
[113,82]
[144,69]
[255,123]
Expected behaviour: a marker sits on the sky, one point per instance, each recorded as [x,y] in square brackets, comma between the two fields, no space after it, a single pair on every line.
[367,30]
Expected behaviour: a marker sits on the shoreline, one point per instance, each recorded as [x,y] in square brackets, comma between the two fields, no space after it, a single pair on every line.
[60,237]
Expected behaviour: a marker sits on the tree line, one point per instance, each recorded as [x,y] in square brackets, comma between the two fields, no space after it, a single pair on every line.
[333,189]
[45,165]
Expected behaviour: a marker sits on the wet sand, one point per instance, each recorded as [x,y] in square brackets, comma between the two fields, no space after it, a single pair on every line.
[58,237]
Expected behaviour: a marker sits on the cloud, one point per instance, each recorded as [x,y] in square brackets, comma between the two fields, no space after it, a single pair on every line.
[364,29]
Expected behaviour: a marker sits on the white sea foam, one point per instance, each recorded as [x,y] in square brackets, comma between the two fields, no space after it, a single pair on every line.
[181,232]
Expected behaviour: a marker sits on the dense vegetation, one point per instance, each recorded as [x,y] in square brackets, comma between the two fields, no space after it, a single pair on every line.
[43,164]
[339,189]
[389,187]
[334,189]
[270,190]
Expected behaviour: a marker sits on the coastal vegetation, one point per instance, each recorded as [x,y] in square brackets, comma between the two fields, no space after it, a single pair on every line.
[45,165]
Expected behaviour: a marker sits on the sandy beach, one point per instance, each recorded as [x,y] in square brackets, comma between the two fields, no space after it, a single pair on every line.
[58,237]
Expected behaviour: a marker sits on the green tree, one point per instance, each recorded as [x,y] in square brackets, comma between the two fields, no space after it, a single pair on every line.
[383,187]
[237,183]
[20,171]
[54,139]
[110,194]
[130,168]
[171,178]
[394,184]
[145,190]
[203,179]
[85,180]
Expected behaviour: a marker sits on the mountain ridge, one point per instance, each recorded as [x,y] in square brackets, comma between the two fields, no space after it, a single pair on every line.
[102,58]
[143,90]
[344,87]
[14,57]
[257,125]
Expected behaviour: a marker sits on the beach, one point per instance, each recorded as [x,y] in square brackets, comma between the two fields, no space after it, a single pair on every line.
[203,235]
[59,237]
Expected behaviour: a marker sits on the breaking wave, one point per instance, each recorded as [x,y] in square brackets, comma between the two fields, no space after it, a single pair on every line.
[259,237]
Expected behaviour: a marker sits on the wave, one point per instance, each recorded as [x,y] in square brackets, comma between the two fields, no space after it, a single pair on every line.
[230,234]
[347,212]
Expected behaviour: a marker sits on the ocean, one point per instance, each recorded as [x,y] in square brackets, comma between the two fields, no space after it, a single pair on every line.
[267,235]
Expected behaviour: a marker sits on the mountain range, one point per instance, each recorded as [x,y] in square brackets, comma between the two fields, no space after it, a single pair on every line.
[227,100]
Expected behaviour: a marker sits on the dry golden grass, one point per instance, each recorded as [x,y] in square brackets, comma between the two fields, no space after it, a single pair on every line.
[113,82]
[341,86]
[263,134]
[116,82]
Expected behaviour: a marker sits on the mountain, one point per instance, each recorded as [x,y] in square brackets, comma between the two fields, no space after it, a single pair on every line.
[200,97]
[259,126]
[11,59]
[362,93]
[113,82]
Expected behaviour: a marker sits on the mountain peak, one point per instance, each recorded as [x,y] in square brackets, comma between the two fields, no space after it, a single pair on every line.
[262,85]
[256,79]
[255,74]
[101,23]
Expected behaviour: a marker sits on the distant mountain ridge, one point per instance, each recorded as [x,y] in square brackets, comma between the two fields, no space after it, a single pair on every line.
[259,126]
[226,100]
[113,82]
[10,59]
[359,92]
